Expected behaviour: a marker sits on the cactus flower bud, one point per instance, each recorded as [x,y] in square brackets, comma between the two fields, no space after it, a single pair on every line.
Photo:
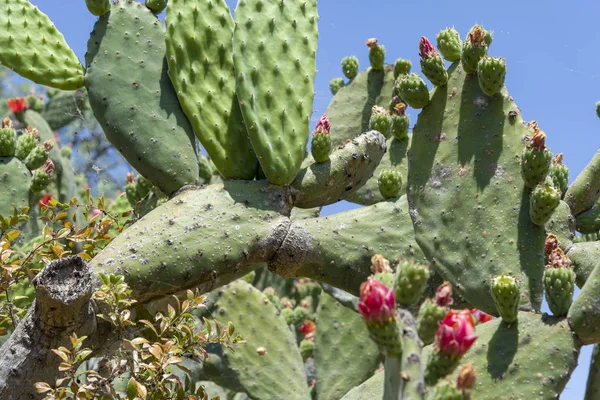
[323,125]
[466,378]
[48,167]
[426,50]
[380,265]
[443,295]
[376,302]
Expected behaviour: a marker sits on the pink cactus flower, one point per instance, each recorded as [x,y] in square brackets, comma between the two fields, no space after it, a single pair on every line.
[17,104]
[323,125]
[426,50]
[443,295]
[376,302]
[456,333]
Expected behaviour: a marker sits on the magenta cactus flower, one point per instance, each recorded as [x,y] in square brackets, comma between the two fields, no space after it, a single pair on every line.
[456,333]
[376,302]
[426,49]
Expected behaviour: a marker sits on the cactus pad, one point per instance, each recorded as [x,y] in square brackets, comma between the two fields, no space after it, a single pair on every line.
[199,53]
[133,99]
[274,53]
[469,208]
[35,49]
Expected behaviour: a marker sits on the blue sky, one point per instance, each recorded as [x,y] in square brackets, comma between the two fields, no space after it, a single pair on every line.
[551,49]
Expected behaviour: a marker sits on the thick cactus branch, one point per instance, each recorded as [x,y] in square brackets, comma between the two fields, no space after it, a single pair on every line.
[584,257]
[592,391]
[583,193]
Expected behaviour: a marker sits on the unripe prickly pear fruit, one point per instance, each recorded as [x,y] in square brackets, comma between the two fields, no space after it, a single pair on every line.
[35,102]
[156,6]
[66,151]
[400,122]
[402,67]
[350,67]
[36,158]
[98,7]
[335,85]
[376,54]
[559,174]
[536,158]
[380,121]
[41,177]
[131,189]
[307,347]
[25,143]
[491,72]
[506,295]
[390,183]
[598,109]
[288,315]
[543,201]
[445,390]
[301,314]
[449,44]
[8,139]
[411,280]
[413,90]
[321,140]
[143,187]
[432,64]
[475,47]
[559,283]
[429,316]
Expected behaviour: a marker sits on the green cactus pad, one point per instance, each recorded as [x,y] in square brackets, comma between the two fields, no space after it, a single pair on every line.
[584,257]
[335,85]
[465,158]
[449,44]
[402,67]
[133,99]
[98,7]
[350,110]
[269,364]
[584,315]
[390,183]
[64,108]
[533,358]
[340,337]
[320,147]
[200,56]
[585,191]
[35,49]
[15,180]
[274,53]
[413,90]
[434,69]
[542,203]
[206,168]
[491,72]
[395,158]
[592,390]
[350,67]
[562,224]
[157,6]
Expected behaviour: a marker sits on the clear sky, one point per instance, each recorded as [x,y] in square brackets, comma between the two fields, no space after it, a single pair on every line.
[551,49]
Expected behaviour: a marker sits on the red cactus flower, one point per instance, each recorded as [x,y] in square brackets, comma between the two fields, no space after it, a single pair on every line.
[17,104]
[456,333]
[426,50]
[308,328]
[44,200]
[443,295]
[480,316]
[323,125]
[376,302]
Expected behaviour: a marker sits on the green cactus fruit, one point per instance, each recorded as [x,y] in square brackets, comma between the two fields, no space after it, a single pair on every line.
[413,90]
[66,151]
[380,121]
[386,336]
[559,284]
[536,159]
[543,201]
[8,139]
[376,54]
[205,168]
[390,183]
[98,7]
[143,187]
[301,314]
[35,103]
[559,174]
[39,181]
[335,85]
[321,146]
[25,143]
[491,72]
[400,125]
[36,158]
[307,348]
[350,67]
[402,67]
[475,47]
[432,64]
[288,315]
[438,366]
[445,390]
[505,291]
[598,109]
[411,280]
[429,316]
[449,44]
[156,6]
[131,190]
[272,296]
